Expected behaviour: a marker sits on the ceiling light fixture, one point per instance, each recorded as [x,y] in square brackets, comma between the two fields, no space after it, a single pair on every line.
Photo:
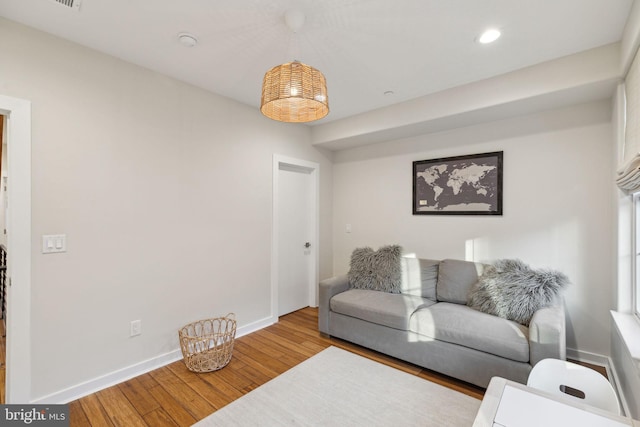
[294,92]
[489,36]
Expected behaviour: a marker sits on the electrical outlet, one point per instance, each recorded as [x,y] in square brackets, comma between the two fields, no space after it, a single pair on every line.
[136,328]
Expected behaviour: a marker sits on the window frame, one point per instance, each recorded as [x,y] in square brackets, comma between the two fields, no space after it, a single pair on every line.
[635,230]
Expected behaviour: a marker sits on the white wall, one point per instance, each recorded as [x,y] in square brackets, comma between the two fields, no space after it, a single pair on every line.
[558,210]
[164,193]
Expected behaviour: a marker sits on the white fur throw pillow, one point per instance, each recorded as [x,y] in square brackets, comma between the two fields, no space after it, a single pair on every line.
[512,290]
[376,270]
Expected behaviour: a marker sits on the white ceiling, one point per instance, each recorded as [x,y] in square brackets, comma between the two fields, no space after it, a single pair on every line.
[364,47]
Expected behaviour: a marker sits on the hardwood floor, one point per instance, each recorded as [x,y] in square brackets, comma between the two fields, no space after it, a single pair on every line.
[174,396]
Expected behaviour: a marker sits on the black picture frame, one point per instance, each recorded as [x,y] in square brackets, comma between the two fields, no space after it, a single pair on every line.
[462,185]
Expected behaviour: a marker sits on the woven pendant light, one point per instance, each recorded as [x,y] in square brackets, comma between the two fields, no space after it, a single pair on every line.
[294,92]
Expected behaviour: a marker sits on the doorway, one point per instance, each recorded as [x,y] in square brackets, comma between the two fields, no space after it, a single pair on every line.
[3,257]
[295,235]
[17,114]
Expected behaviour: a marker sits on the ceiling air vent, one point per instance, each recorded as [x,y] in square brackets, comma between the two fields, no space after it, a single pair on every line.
[71,4]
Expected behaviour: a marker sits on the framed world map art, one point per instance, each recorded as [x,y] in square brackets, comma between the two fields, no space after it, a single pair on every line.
[463,185]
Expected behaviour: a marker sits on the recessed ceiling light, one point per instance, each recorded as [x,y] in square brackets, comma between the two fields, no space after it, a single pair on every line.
[489,36]
[388,93]
[188,40]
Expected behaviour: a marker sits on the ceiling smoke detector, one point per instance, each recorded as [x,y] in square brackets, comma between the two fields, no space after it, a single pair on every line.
[71,4]
[187,40]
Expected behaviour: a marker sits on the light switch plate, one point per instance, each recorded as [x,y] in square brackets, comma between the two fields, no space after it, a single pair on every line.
[54,243]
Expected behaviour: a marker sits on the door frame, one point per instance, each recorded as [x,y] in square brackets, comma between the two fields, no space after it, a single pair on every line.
[18,345]
[313,169]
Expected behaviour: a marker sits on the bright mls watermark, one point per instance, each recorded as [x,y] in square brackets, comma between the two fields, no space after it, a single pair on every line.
[34,415]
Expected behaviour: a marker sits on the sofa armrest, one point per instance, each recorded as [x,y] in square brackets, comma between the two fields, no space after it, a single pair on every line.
[327,289]
[547,334]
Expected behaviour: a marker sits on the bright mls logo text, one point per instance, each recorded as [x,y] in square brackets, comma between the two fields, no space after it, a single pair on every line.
[48,415]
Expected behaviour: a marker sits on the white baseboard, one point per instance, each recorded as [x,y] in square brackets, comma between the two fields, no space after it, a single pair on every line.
[88,387]
[588,357]
[607,363]
[615,380]
[116,377]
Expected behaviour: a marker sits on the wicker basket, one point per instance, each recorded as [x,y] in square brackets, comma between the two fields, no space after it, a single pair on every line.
[207,344]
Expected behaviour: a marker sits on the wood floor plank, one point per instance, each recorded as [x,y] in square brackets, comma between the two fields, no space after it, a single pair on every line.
[315,346]
[172,407]
[159,418]
[121,412]
[180,391]
[228,392]
[297,331]
[216,397]
[138,395]
[283,345]
[76,413]
[259,360]
[147,381]
[294,324]
[286,343]
[231,375]
[258,377]
[94,412]
[289,358]
[281,331]
[3,378]
[256,343]
[308,322]
[299,337]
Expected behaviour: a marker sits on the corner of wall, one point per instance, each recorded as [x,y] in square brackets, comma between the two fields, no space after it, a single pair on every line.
[630,37]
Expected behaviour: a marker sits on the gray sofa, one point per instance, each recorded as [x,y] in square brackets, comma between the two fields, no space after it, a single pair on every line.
[430,325]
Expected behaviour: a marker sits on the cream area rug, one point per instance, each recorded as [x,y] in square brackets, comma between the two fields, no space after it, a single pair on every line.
[338,388]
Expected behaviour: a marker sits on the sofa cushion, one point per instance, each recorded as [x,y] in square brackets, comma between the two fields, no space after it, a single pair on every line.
[419,277]
[383,308]
[462,325]
[455,279]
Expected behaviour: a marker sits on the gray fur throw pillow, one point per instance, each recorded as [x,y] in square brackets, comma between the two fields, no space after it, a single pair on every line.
[376,270]
[512,290]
